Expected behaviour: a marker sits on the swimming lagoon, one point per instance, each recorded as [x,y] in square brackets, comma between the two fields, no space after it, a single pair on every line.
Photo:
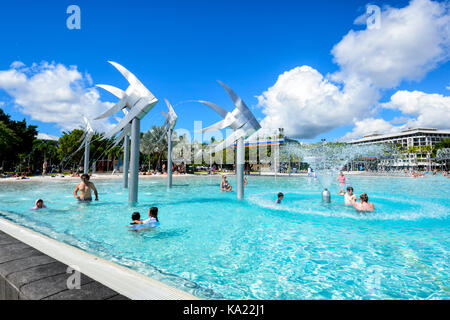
[215,247]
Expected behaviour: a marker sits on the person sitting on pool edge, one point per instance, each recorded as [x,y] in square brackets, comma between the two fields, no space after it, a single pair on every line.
[364,204]
[85,187]
[152,213]
[39,204]
[349,196]
[280,198]
[224,185]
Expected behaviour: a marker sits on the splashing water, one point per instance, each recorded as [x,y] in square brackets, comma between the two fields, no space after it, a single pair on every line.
[327,159]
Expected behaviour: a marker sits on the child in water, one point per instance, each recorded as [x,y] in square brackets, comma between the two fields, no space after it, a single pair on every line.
[152,213]
[280,197]
[135,217]
[39,204]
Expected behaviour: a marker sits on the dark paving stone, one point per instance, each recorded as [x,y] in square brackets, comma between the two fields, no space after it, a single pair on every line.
[25,263]
[118,297]
[7,239]
[46,287]
[11,293]
[90,291]
[19,254]
[4,235]
[26,273]
[2,288]
[36,273]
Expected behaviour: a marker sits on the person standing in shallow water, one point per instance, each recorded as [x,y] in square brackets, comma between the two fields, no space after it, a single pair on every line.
[44,168]
[342,178]
[349,196]
[85,187]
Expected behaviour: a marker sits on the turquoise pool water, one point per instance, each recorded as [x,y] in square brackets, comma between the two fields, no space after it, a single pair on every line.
[214,246]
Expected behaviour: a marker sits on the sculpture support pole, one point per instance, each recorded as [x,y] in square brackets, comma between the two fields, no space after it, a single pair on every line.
[86,157]
[240,160]
[134,161]
[126,160]
[169,159]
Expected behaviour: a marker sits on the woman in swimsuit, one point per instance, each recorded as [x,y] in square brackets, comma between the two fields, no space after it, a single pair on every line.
[224,185]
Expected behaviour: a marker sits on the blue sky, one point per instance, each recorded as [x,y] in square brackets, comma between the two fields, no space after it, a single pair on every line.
[178,49]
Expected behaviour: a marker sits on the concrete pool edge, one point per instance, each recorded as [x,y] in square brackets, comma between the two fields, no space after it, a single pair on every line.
[125,281]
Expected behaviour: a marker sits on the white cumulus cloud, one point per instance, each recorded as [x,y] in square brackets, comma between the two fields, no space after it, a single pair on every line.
[54,93]
[429,110]
[370,126]
[410,42]
[305,103]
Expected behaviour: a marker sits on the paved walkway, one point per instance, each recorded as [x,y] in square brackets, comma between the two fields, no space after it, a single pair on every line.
[26,273]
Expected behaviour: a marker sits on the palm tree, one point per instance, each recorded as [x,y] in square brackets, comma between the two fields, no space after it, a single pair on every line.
[154,144]
[412,151]
[428,149]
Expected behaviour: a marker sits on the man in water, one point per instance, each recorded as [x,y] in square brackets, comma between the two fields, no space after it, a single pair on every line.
[364,204]
[85,187]
[349,197]
[224,185]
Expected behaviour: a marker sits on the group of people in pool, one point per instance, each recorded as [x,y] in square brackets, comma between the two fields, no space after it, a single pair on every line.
[84,188]
[350,198]
[152,217]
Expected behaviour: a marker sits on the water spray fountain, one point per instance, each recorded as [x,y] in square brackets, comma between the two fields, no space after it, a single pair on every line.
[327,159]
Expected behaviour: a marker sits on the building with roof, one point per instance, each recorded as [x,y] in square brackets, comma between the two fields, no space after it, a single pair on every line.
[411,137]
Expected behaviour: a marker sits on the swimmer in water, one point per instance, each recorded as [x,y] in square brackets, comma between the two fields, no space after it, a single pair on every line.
[349,196]
[39,204]
[364,204]
[85,187]
[224,185]
[136,218]
[152,213]
[280,198]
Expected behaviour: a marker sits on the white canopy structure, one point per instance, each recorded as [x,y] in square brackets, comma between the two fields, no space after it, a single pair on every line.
[169,125]
[139,101]
[243,123]
[86,143]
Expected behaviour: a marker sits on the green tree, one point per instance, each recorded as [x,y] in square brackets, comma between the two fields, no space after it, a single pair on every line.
[19,137]
[154,145]
[444,143]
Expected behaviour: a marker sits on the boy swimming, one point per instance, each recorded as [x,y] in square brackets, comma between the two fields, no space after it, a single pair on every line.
[135,217]
[280,198]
